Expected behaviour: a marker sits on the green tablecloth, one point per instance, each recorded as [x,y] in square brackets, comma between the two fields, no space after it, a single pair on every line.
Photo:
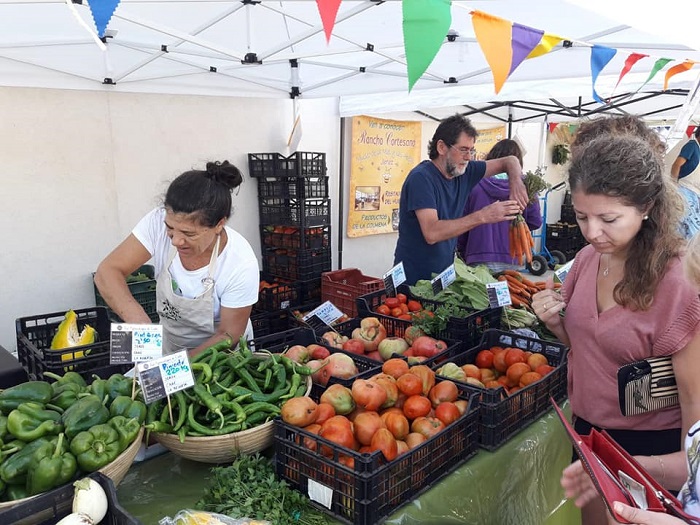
[516,484]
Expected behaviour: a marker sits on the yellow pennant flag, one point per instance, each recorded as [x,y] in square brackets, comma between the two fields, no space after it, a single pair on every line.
[494,37]
[545,46]
[685,66]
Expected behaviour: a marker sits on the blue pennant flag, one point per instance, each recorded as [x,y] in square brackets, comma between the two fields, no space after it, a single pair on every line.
[102,11]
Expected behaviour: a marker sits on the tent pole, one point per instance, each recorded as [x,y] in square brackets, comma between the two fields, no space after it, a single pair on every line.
[341,182]
[510,122]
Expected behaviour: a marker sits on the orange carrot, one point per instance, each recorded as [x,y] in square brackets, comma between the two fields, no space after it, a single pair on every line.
[512,281]
[516,242]
[511,242]
[525,241]
[514,273]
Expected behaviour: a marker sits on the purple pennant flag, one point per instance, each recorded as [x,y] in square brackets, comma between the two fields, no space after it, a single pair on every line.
[102,11]
[600,56]
[524,40]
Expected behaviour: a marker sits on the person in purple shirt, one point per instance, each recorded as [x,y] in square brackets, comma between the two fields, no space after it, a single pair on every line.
[489,244]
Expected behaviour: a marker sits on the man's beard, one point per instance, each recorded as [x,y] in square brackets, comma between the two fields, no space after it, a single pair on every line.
[452,169]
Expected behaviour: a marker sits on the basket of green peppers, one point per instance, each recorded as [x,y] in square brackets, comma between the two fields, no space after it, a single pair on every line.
[231,408]
[52,433]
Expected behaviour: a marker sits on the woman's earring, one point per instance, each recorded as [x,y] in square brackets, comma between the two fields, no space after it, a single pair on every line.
[645,217]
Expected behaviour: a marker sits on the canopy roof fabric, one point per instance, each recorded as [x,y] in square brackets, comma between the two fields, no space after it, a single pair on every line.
[278,49]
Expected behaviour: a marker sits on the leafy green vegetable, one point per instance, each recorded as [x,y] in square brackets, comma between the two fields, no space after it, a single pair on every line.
[535,183]
[249,488]
[518,318]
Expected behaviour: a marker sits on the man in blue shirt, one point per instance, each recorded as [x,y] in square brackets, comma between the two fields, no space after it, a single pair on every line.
[688,158]
[435,192]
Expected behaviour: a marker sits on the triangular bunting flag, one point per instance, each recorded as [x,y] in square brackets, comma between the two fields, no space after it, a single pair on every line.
[328,9]
[685,66]
[631,61]
[545,46]
[494,36]
[658,66]
[524,40]
[102,11]
[600,56]
[425,25]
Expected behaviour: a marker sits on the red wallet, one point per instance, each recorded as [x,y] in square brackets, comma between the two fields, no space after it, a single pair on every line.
[618,477]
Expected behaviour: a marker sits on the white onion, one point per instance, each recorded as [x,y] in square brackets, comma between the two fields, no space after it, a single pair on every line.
[76,519]
[90,499]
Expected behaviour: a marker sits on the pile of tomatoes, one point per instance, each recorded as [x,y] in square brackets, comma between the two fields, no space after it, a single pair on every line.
[392,412]
[402,308]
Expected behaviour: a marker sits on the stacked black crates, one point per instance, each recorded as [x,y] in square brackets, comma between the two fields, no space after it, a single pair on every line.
[565,236]
[295,217]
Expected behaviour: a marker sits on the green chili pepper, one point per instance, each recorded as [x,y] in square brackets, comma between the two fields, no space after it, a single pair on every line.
[3,427]
[182,432]
[237,410]
[205,369]
[261,406]
[153,411]
[160,427]
[127,429]
[181,410]
[87,412]
[51,466]
[125,406]
[243,347]
[295,367]
[248,380]
[213,358]
[96,447]
[296,381]
[206,431]
[209,401]
[14,469]
[30,421]
[37,391]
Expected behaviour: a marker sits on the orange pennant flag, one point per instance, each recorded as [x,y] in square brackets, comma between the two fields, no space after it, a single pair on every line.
[685,66]
[494,37]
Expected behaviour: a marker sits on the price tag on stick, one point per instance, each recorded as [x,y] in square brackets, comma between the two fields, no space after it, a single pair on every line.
[162,377]
[393,278]
[135,343]
[498,293]
[322,317]
[444,279]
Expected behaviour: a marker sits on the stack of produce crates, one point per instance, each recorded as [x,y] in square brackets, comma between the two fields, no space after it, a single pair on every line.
[295,231]
[142,285]
[566,238]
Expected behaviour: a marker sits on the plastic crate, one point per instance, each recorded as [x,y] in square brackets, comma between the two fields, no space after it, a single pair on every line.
[280,295]
[310,290]
[295,238]
[293,188]
[302,213]
[266,323]
[279,342]
[296,265]
[343,287]
[50,507]
[371,489]
[262,164]
[567,214]
[365,368]
[298,164]
[502,416]
[143,291]
[34,336]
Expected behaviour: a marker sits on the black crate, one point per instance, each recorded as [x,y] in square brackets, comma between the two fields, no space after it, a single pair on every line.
[371,489]
[262,164]
[279,342]
[277,296]
[143,291]
[296,265]
[34,336]
[298,164]
[562,230]
[295,238]
[567,214]
[50,507]
[310,290]
[266,323]
[501,415]
[293,188]
[301,213]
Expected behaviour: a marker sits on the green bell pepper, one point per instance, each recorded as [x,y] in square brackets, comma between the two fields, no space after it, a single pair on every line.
[3,427]
[30,421]
[37,391]
[127,428]
[50,467]
[15,491]
[118,385]
[14,469]
[67,378]
[96,447]
[66,395]
[88,411]
[124,406]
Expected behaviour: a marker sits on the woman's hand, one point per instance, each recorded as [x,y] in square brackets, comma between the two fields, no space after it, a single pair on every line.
[578,485]
[547,304]
[644,517]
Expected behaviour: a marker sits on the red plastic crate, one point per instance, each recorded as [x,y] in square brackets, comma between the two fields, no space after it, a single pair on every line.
[343,287]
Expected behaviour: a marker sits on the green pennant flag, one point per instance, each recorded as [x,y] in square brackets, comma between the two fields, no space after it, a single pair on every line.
[425,26]
[658,66]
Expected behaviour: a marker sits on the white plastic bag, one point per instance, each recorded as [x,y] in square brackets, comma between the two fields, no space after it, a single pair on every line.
[199,517]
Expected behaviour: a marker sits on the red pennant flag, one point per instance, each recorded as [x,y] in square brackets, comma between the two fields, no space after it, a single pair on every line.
[328,9]
[631,61]
[685,66]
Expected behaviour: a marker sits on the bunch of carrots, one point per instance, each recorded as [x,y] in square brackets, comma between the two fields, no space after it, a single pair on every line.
[522,289]
[520,240]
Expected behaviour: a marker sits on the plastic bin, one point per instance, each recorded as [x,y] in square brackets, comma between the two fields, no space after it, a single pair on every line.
[298,164]
[371,489]
[295,238]
[343,287]
[50,507]
[280,341]
[278,296]
[266,323]
[293,188]
[143,291]
[502,416]
[34,336]
[301,213]
[296,265]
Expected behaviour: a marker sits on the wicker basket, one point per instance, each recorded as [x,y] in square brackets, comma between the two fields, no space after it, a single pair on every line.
[116,470]
[222,449]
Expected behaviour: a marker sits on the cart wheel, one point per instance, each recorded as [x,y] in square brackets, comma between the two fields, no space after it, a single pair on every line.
[557,257]
[538,265]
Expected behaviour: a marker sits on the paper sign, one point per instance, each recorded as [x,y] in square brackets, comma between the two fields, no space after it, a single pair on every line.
[135,343]
[393,278]
[321,317]
[165,376]
[561,273]
[444,279]
[320,493]
[498,293]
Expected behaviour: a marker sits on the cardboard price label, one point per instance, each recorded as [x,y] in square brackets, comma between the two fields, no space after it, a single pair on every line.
[165,376]
[135,343]
[444,279]
[322,317]
[393,278]
[498,293]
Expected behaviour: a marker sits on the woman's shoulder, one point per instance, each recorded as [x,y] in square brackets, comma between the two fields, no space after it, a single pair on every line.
[239,244]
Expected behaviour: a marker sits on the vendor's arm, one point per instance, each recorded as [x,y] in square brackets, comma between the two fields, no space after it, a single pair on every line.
[511,166]
[435,230]
[233,323]
[110,279]
[676,167]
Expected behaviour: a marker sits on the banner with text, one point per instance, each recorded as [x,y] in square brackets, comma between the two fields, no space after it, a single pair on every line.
[382,154]
[487,139]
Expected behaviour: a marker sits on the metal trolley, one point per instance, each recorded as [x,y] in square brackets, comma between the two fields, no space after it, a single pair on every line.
[545,259]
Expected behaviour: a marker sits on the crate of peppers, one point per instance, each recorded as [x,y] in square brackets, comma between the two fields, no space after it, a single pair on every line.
[52,433]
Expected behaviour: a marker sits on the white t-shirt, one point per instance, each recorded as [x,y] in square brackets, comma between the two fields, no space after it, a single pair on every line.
[237,273]
[688,495]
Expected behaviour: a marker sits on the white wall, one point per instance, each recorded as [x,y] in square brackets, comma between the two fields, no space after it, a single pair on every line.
[80,168]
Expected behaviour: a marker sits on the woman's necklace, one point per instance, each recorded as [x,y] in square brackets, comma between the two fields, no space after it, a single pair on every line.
[606,270]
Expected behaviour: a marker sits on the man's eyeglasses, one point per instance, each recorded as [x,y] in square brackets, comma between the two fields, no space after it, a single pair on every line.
[465,151]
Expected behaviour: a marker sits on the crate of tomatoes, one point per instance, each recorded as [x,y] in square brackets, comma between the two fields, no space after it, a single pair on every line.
[514,376]
[395,312]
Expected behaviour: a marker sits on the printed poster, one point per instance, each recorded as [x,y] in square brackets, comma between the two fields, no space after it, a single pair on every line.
[382,154]
[487,139]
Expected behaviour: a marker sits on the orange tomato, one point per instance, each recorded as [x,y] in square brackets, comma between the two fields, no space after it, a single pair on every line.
[406,317]
[514,355]
[410,384]
[528,378]
[397,424]
[404,308]
[395,367]
[392,302]
[402,298]
[383,310]
[414,306]
[484,359]
[499,362]
[516,371]
[366,424]
[384,440]
[417,406]
[443,391]
[395,312]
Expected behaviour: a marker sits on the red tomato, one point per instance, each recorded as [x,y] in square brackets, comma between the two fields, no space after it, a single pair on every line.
[383,310]
[414,306]
[392,302]
[402,298]
[447,412]
[484,359]
[428,426]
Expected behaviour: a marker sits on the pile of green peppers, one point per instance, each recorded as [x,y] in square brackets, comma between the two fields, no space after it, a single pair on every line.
[51,433]
[233,391]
